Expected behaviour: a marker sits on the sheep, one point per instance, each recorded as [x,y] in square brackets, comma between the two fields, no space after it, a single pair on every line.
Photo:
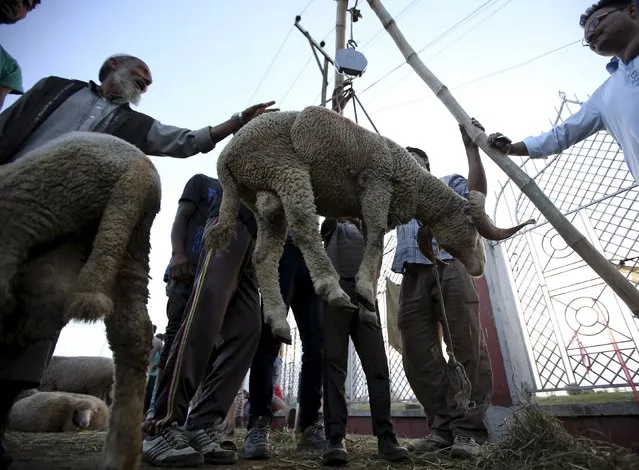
[90,375]
[288,167]
[58,412]
[74,244]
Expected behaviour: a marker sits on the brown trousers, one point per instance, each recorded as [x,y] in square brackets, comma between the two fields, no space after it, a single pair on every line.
[426,369]
[216,342]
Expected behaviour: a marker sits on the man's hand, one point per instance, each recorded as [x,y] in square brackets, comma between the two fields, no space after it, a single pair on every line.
[468,142]
[257,109]
[180,268]
[500,141]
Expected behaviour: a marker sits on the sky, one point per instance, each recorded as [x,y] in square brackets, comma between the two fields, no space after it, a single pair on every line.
[210,58]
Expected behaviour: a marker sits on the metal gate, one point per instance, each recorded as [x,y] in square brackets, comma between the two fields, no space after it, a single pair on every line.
[579,335]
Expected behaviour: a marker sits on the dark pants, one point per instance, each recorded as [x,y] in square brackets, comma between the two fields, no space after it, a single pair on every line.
[216,342]
[339,325]
[148,391]
[429,376]
[179,294]
[298,294]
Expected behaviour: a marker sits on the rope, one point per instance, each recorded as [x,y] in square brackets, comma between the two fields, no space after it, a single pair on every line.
[462,397]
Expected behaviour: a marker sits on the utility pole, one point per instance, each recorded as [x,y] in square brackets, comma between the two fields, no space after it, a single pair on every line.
[340,35]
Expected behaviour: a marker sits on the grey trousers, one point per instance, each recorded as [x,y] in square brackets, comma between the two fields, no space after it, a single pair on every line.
[429,376]
[216,342]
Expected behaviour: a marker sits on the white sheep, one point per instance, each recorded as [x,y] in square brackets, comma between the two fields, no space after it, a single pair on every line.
[74,244]
[89,375]
[58,412]
[288,167]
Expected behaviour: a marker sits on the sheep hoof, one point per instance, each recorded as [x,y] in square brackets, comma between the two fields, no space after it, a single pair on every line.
[367,304]
[341,300]
[282,333]
[368,317]
[88,306]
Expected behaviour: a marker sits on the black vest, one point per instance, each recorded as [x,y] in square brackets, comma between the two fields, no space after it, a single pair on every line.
[37,104]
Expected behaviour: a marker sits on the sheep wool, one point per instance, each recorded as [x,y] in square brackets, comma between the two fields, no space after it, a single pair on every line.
[289,167]
[74,244]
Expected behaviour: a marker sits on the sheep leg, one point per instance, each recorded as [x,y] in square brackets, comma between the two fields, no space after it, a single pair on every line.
[271,234]
[375,202]
[91,299]
[130,337]
[299,206]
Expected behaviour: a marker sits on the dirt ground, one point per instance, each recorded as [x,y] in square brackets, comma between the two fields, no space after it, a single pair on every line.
[82,451]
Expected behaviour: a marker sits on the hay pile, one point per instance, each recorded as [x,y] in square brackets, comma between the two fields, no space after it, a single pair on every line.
[536,440]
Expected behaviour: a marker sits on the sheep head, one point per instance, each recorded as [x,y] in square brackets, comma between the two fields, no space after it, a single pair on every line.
[459,231]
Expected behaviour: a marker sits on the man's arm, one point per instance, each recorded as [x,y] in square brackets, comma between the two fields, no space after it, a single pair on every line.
[476,173]
[576,128]
[171,141]
[179,268]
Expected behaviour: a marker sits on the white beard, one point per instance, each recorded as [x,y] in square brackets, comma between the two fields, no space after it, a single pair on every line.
[127,90]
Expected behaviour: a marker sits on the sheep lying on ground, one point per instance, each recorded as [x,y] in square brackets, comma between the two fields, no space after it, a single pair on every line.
[89,375]
[58,412]
[74,244]
[288,167]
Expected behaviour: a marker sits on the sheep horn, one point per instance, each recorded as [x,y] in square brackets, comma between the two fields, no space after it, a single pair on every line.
[484,225]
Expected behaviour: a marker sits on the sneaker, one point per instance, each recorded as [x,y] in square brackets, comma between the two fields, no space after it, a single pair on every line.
[389,449]
[207,442]
[465,447]
[335,454]
[432,443]
[170,448]
[256,444]
[312,437]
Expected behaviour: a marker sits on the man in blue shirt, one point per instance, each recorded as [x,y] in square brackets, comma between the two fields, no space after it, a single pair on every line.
[610,30]
[418,320]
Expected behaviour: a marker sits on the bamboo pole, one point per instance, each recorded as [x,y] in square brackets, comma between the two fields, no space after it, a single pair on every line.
[573,238]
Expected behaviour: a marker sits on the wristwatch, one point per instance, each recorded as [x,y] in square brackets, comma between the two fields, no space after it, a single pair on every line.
[239,117]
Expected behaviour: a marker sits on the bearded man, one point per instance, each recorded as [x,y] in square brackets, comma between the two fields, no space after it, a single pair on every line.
[56,106]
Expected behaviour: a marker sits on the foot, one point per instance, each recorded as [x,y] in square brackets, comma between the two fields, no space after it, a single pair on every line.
[465,447]
[256,443]
[88,306]
[170,448]
[389,449]
[335,454]
[208,442]
[339,299]
[432,443]
[312,437]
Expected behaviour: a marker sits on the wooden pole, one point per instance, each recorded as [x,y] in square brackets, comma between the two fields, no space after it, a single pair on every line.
[340,36]
[325,82]
[617,282]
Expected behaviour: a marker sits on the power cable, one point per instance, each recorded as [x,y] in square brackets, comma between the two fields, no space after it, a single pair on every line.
[268,69]
[381,30]
[484,77]
[434,41]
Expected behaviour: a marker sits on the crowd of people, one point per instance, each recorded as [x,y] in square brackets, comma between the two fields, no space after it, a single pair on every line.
[216,333]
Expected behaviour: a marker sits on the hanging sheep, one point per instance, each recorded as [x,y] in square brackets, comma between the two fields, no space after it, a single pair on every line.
[288,167]
[74,244]
[58,412]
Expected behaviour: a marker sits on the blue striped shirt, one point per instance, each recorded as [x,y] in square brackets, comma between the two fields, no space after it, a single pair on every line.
[407,250]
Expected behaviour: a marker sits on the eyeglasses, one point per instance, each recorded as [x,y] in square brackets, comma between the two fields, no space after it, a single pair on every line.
[594,23]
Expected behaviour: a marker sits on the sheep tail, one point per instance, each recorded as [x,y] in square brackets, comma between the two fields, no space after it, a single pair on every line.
[219,231]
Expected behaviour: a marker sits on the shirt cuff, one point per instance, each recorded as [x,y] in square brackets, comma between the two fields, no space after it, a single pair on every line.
[534,148]
[203,140]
